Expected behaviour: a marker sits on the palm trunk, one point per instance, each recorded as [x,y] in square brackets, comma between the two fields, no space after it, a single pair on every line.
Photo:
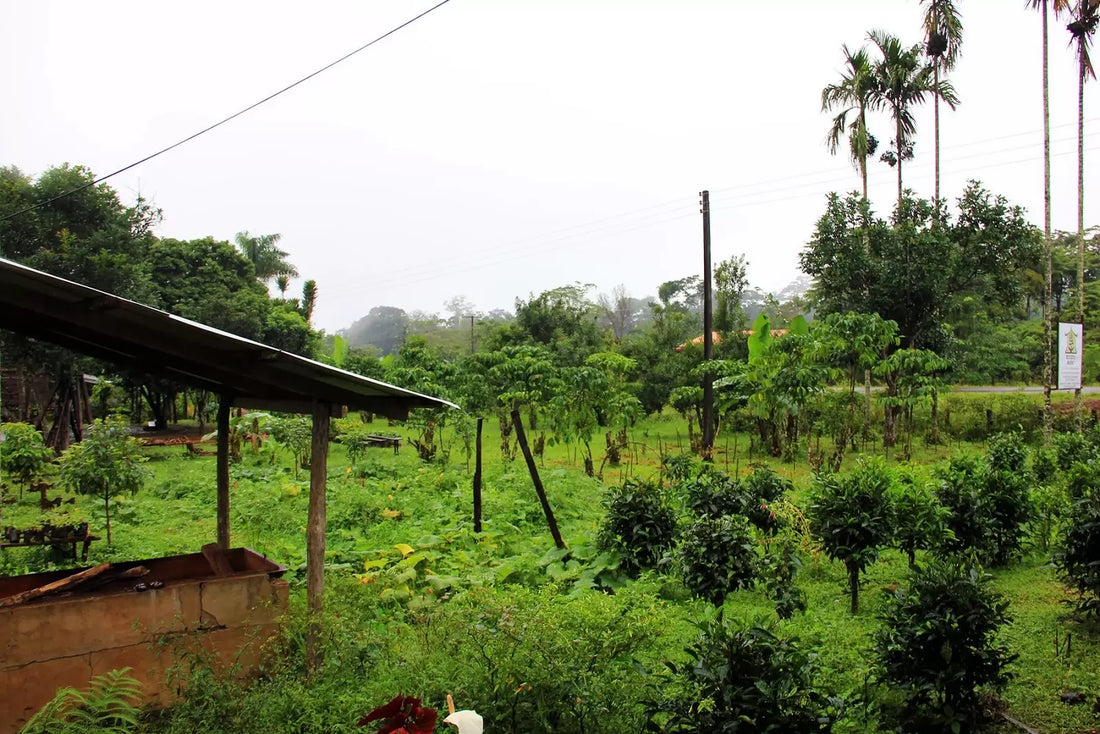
[900,149]
[863,159]
[936,109]
[1048,254]
[1078,409]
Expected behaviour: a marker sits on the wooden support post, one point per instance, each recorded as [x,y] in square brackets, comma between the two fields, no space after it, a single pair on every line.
[707,447]
[315,533]
[522,438]
[225,405]
[477,476]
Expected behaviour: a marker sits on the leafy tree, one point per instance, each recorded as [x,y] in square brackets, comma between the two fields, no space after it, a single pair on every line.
[421,369]
[618,407]
[684,295]
[23,453]
[916,271]
[664,359]
[730,281]
[210,282]
[580,391]
[938,644]
[855,93]
[383,327]
[88,236]
[855,343]
[106,463]
[912,376]
[851,515]
[286,329]
[563,321]
[779,381]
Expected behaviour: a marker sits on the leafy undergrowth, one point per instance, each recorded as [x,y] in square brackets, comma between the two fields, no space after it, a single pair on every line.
[535,638]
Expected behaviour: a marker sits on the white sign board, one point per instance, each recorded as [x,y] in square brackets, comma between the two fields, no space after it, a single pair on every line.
[1071,352]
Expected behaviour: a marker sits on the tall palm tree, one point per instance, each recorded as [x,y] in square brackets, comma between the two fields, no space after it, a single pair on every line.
[1060,6]
[1085,18]
[902,82]
[856,94]
[943,39]
[268,260]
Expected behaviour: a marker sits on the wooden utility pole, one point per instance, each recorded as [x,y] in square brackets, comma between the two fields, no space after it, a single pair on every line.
[708,336]
[315,533]
[225,405]
[473,347]
[477,478]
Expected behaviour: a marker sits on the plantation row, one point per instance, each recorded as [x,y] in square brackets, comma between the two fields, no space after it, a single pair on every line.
[420,604]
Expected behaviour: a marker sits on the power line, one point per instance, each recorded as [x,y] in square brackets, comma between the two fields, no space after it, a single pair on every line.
[677,209]
[235,115]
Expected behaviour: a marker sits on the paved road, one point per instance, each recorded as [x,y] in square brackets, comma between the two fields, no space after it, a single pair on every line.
[1087,390]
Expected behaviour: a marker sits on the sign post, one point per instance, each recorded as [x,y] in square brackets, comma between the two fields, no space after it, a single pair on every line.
[1071,352]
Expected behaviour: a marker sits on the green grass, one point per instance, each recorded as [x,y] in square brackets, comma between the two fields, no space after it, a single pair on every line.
[390,632]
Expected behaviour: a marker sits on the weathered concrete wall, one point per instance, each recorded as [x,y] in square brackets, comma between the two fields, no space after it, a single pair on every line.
[64,642]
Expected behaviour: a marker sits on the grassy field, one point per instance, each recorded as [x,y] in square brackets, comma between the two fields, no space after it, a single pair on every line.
[418,603]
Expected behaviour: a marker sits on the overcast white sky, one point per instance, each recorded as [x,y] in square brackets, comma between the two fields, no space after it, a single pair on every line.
[499,148]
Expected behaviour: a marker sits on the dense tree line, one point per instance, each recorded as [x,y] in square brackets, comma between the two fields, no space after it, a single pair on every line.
[91,237]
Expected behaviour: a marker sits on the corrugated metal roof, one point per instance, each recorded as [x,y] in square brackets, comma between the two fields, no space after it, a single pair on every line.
[46,307]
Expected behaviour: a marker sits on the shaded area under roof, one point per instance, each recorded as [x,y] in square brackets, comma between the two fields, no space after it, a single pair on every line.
[96,323]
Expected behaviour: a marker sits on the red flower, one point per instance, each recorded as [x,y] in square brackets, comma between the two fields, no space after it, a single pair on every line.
[402,714]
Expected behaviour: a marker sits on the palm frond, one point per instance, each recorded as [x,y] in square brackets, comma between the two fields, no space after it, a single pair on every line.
[943,30]
[1086,17]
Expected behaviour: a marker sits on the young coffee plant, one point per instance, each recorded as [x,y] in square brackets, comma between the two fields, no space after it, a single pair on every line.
[639,524]
[23,453]
[961,489]
[107,463]
[762,488]
[1074,448]
[851,514]
[1007,496]
[717,555]
[712,493]
[1007,504]
[918,517]
[1078,557]
[781,562]
[938,646]
[742,681]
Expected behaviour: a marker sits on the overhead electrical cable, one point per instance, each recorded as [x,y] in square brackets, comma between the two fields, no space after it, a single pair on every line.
[235,115]
[618,224]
